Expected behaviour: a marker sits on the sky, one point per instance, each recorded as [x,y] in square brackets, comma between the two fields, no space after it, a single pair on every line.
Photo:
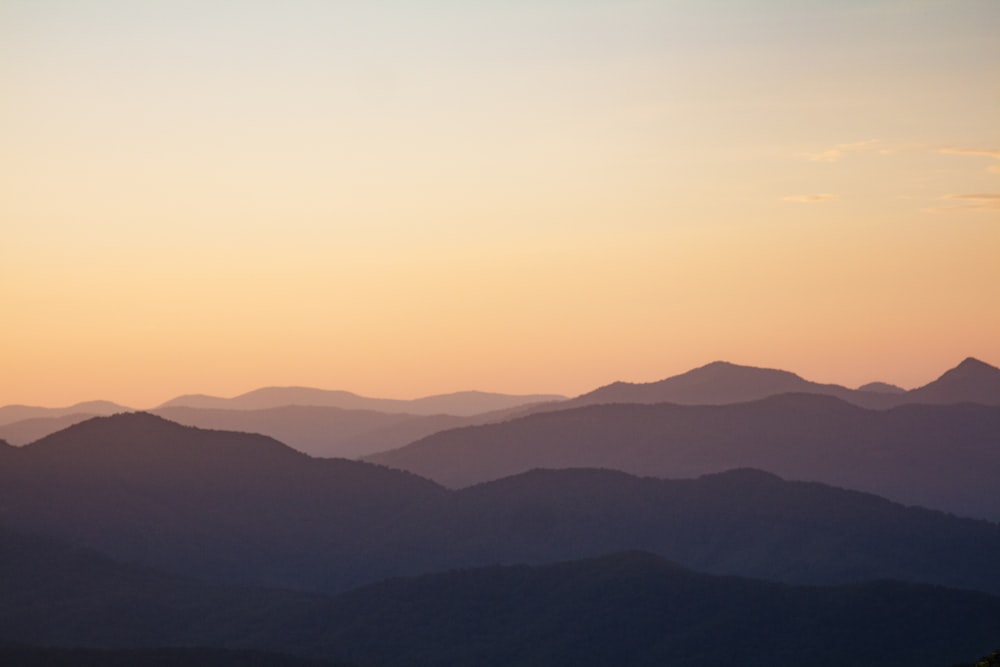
[409,198]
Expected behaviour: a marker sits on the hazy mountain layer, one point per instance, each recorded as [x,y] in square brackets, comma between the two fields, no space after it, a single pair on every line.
[321,431]
[355,426]
[941,456]
[15,413]
[241,508]
[464,403]
[28,430]
[720,382]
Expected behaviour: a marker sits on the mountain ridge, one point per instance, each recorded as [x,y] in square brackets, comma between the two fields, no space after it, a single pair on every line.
[235,508]
[462,403]
[628,608]
[939,456]
[723,382]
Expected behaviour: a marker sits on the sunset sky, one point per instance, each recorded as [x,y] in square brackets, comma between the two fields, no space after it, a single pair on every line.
[408,198]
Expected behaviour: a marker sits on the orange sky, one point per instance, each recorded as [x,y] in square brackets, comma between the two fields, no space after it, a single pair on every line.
[402,199]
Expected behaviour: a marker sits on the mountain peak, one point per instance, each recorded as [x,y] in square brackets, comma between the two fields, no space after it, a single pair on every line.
[147,438]
[973,365]
[972,381]
[714,383]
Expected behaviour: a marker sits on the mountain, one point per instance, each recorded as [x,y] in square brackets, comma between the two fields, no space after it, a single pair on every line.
[743,522]
[971,381]
[28,430]
[230,507]
[882,388]
[58,594]
[464,403]
[320,430]
[716,383]
[637,609]
[941,456]
[233,508]
[624,609]
[16,413]
[721,382]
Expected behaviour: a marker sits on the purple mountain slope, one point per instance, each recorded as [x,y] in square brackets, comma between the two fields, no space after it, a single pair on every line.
[941,456]
[972,381]
[721,382]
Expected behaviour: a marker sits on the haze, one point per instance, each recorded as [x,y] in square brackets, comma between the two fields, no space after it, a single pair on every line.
[403,199]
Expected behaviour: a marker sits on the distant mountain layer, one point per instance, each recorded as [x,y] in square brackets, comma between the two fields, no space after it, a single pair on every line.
[882,388]
[463,403]
[320,430]
[626,609]
[28,430]
[244,509]
[721,382]
[941,456]
[336,432]
[15,413]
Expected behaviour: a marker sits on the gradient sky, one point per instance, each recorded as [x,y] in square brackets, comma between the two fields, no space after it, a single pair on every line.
[406,198]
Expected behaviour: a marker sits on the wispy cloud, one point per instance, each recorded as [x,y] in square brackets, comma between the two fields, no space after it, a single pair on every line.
[975,152]
[809,199]
[986,152]
[840,150]
[970,202]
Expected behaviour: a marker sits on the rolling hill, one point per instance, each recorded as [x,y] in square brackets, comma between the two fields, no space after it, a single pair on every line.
[940,456]
[244,509]
[464,403]
[624,609]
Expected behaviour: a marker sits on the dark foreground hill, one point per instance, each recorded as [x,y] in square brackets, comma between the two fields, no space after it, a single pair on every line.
[239,508]
[40,656]
[941,456]
[625,609]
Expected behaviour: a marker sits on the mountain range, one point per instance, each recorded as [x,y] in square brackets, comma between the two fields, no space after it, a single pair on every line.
[244,509]
[315,421]
[628,609]
[972,381]
[343,424]
[463,403]
[941,456]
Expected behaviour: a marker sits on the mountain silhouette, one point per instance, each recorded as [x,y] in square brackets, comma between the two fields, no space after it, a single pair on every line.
[465,403]
[882,388]
[341,434]
[717,382]
[231,507]
[28,430]
[234,508]
[940,456]
[745,522]
[971,381]
[722,382]
[321,430]
[16,413]
[630,608]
